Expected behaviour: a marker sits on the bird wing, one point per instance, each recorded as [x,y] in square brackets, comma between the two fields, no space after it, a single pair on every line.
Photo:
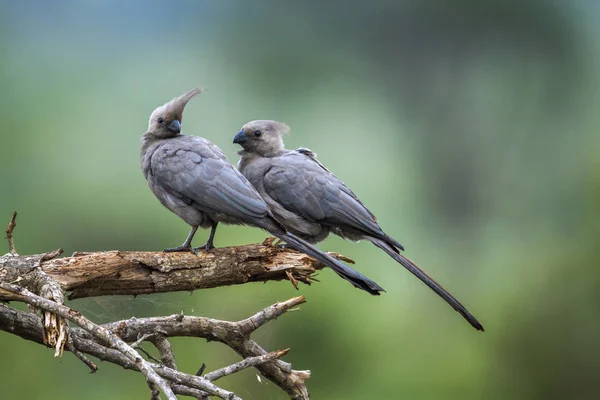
[301,184]
[196,170]
[311,155]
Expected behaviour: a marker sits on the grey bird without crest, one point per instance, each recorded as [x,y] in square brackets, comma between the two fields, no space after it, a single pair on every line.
[311,202]
[192,177]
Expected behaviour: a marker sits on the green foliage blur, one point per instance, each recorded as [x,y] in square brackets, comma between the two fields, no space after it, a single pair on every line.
[469,128]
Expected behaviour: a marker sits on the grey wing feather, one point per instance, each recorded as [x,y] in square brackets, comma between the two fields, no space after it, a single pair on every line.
[311,155]
[204,179]
[304,186]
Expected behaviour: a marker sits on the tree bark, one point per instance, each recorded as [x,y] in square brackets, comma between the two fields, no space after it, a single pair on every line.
[42,280]
[133,273]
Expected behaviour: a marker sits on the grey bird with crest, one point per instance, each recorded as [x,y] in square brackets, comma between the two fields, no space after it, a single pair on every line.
[192,177]
[312,202]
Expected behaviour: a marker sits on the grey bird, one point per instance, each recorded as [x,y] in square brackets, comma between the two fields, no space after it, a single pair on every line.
[312,202]
[192,177]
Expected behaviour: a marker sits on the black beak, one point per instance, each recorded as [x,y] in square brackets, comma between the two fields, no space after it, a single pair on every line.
[240,138]
[175,126]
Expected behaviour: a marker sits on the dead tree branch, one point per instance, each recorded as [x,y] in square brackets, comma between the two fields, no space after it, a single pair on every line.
[20,294]
[134,273]
[42,280]
[9,234]
[28,326]
[248,362]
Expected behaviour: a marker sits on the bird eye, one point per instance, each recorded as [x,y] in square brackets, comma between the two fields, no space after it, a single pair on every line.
[160,120]
[257,133]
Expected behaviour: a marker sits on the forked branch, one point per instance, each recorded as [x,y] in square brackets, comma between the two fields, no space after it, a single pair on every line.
[41,281]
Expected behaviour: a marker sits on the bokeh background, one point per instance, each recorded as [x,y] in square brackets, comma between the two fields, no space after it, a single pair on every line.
[469,128]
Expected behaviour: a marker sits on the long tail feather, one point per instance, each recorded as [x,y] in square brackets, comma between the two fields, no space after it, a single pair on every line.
[354,277]
[419,273]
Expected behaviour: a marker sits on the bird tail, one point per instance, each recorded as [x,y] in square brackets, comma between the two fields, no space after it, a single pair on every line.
[419,273]
[354,277]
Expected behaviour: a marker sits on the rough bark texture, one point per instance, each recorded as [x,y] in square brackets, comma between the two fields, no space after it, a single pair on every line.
[42,280]
[133,273]
[234,334]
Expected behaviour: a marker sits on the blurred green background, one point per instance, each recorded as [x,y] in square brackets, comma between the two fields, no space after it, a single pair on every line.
[469,128]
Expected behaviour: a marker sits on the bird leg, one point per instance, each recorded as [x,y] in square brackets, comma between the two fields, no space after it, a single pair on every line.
[187,245]
[209,242]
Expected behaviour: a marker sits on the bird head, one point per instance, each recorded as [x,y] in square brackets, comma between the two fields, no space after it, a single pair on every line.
[262,137]
[165,121]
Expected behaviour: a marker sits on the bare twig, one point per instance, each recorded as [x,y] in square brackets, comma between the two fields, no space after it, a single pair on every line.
[93,367]
[194,381]
[9,234]
[154,392]
[248,362]
[51,255]
[143,337]
[188,391]
[100,332]
[148,355]
[254,322]
[293,280]
[167,357]
[151,337]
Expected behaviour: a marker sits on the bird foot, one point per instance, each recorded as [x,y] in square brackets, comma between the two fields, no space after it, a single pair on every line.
[206,247]
[181,248]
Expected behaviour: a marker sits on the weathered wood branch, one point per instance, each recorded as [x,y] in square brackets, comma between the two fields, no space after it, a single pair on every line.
[234,334]
[9,233]
[41,281]
[20,294]
[134,273]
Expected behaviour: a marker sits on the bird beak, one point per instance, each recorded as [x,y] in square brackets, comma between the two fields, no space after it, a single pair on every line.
[240,138]
[175,126]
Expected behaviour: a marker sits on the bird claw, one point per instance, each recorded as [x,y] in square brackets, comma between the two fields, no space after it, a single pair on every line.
[206,247]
